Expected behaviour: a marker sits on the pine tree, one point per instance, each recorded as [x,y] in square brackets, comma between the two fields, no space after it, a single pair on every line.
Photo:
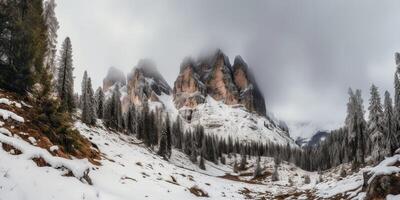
[275,174]
[83,89]
[131,120]
[52,28]
[201,164]
[65,81]
[356,126]
[87,99]
[396,108]
[113,111]
[377,143]
[388,124]
[257,170]
[91,102]
[99,99]
[23,47]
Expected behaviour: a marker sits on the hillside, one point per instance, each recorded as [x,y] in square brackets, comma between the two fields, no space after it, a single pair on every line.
[126,168]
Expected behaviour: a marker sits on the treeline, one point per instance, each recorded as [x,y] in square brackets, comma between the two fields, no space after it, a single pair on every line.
[363,141]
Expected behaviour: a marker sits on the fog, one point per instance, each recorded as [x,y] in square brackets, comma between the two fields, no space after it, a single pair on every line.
[305,54]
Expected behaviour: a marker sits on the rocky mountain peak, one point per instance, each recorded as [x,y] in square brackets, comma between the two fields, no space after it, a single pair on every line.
[213,75]
[146,83]
[114,75]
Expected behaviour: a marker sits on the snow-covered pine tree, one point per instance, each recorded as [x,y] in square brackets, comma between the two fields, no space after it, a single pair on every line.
[356,125]
[87,99]
[91,102]
[83,89]
[65,80]
[52,28]
[388,124]
[162,150]
[99,99]
[396,108]
[376,142]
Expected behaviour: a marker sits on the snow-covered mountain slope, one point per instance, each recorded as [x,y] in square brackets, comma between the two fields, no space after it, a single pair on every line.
[128,171]
[235,121]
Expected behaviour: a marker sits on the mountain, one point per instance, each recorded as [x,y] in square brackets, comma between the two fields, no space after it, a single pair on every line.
[314,140]
[214,76]
[208,91]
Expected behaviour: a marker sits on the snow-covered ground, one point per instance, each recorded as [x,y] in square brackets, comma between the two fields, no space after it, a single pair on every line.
[127,171]
[130,170]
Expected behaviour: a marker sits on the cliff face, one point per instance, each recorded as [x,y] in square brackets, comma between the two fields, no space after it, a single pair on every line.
[214,76]
[146,83]
[188,89]
[249,94]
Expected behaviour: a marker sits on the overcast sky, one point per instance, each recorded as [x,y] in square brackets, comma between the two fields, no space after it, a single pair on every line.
[305,54]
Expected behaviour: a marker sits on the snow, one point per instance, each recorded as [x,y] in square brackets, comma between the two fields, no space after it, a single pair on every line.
[77,167]
[393,197]
[385,167]
[6,114]
[8,102]
[331,188]
[127,171]
[32,140]
[235,121]
[5,131]
[54,148]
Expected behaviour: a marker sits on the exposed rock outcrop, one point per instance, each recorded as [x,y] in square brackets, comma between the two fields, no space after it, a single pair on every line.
[146,83]
[189,90]
[214,76]
[114,75]
[249,94]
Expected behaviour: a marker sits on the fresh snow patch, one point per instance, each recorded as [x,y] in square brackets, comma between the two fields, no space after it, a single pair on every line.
[5,131]
[54,148]
[32,140]
[393,197]
[385,167]
[8,102]
[26,105]
[6,114]
[77,167]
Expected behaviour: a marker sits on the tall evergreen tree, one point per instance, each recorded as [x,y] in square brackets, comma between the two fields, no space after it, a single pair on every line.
[83,89]
[88,107]
[388,124]
[52,28]
[65,81]
[100,100]
[396,108]
[375,127]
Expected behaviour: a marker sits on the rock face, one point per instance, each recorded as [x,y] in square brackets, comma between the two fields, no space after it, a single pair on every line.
[146,83]
[249,94]
[114,75]
[214,76]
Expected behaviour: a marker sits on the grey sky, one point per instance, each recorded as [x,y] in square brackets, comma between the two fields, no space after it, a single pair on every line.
[305,54]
